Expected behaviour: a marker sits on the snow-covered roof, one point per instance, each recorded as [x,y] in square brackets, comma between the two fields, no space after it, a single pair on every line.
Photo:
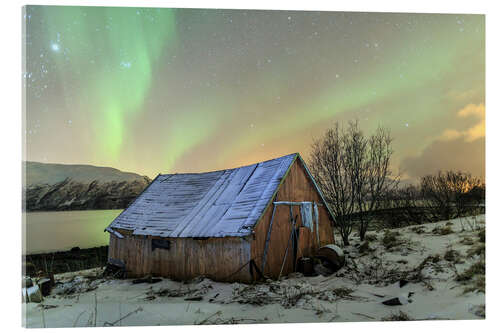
[211,204]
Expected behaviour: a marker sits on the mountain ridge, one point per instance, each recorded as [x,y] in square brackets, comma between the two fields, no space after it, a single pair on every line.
[55,187]
[51,173]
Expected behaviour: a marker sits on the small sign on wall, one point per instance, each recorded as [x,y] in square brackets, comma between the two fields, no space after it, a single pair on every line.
[160,244]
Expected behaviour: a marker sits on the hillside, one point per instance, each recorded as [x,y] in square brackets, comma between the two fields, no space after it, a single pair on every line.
[51,173]
[78,187]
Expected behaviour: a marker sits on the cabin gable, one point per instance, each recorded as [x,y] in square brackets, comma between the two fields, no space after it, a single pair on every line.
[297,186]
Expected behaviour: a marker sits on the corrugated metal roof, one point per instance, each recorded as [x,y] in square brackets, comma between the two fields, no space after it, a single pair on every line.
[211,204]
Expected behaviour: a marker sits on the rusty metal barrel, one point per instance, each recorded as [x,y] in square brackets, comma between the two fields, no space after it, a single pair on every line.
[332,255]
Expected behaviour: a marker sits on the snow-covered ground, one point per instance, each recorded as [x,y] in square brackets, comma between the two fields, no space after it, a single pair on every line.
[432,262]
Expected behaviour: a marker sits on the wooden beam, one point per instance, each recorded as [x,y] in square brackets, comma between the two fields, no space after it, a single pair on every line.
[292,203]
[114,232]
[266,247]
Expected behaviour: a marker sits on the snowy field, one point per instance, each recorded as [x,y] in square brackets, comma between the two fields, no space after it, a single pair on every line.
[435,270]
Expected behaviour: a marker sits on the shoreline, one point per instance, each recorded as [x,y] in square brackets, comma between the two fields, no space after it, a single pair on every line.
[68,210]
[58,262]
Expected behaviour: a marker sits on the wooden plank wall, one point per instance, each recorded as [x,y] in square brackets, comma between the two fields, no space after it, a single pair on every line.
[219,258]
[215,258]
[297,186]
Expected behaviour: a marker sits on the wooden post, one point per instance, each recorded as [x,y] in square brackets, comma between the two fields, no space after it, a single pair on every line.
[289,239]
[264,256]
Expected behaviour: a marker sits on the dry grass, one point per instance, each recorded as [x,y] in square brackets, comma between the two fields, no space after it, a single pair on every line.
[365,247]
[482,235]
[478,285]
[391,239]
[343,292]
[432,258]
[418,230]
[400,316]
[478,250]
[474,270]
[452,256]
[442,231]
[473,278]
[467,241]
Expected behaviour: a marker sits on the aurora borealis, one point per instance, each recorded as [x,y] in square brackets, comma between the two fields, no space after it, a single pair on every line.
[187,90]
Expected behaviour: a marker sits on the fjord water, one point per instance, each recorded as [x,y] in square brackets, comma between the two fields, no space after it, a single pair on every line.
[60,231]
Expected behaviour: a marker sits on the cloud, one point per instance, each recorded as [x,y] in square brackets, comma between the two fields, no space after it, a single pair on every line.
[450,134]
[452,154]
[472,109]
[472,133]
[454,149]
[465,95]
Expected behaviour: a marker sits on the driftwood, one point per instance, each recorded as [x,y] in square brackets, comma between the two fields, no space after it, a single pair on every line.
[363,315]
[139,309]
[147,279]
[209,317]
[115,268]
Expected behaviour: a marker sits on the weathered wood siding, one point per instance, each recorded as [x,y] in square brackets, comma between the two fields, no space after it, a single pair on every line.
[297,186]
[222,258]
[215,258]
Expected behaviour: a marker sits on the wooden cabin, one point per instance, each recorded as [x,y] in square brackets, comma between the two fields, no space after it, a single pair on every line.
[228,225]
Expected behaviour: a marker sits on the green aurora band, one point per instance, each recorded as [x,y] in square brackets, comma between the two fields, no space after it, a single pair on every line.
[186,90]
[121,76]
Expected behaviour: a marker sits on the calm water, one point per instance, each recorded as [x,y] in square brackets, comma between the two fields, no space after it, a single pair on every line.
[55,231]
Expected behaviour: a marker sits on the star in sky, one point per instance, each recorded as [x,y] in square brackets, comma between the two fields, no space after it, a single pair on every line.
[174,87]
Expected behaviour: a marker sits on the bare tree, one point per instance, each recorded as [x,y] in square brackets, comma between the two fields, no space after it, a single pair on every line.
[437,196]
[354,173]
[408,199]
[450,194]
[376,177]
[328,164]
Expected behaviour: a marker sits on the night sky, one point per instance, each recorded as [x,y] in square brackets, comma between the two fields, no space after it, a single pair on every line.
[189,90]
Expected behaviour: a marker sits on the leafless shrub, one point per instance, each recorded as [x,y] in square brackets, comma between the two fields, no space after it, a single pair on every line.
[467,241]
[391,239]
[478,268]
[482,235]
[452,256]
[473,277]
[343,292]
[365,247]
[377,272]
[478,250]
[291,296]
[180,292]
[478,285]
[418,230]
[451,194]
[399,316]
[439,230]
[407,201]
[469,223]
